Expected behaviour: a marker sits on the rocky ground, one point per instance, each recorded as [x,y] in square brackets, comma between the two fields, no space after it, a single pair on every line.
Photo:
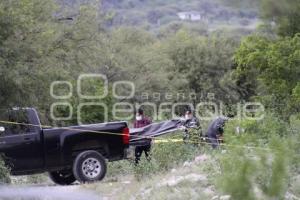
[192,180]
[189,181]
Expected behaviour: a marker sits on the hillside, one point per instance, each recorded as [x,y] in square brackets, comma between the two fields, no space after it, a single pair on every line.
[160,15]
[93,61]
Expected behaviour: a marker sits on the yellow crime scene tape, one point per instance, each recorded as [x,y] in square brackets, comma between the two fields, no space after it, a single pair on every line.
[167,140]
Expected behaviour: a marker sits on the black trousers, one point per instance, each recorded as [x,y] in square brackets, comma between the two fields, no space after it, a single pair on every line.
[139,150]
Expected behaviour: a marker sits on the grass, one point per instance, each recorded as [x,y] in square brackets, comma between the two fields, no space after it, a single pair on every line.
[182,182]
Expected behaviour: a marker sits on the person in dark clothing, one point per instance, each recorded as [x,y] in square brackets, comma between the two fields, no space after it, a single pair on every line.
[215,131]
[190,120]
[192,123]
[142,121]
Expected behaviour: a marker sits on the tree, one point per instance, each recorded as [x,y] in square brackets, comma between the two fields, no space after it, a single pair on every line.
[37,48]
[198,61]
[25,35]
[285,14]
[273,68]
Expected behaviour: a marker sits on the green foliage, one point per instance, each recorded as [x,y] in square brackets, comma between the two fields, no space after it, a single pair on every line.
[256,173]
[258,132]
[36,179]
[38,48]
[253,4]
[164,156]
[262,158]
[237,175]
[198,60]
[273,69]
[119,169]
[285,14]
[146,169]
[171,154]
[25,37]
[4,173]
[153,15]
[140,59]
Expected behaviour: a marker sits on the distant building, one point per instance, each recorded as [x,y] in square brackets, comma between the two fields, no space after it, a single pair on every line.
[190,15]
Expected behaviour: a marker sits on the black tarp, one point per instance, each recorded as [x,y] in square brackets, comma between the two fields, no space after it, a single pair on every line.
[142,136]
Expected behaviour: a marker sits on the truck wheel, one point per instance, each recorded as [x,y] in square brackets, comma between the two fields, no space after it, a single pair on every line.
[89,166]
[64,177]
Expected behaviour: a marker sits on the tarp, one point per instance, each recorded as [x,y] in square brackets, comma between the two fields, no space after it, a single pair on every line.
[142,136]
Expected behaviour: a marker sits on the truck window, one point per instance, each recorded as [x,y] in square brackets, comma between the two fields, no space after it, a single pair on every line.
[15,122]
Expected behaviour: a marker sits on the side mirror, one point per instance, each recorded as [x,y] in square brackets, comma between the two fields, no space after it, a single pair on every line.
[2,129]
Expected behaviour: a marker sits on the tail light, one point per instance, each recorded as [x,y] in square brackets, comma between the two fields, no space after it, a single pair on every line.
[125,135]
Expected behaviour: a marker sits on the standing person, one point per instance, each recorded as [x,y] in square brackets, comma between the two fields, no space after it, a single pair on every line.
[191,121]
[141,121]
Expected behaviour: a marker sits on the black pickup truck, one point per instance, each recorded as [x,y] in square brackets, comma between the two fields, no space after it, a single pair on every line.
[67,153]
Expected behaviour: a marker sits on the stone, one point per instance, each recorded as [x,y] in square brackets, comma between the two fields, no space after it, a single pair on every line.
[225,197]
[201,158]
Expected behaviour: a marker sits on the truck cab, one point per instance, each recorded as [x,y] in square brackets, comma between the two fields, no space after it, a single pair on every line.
[21,143]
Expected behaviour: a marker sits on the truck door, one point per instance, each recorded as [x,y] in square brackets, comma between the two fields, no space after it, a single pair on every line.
[21,145]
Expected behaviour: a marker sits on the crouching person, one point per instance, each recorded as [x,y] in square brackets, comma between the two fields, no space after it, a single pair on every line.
[215,131]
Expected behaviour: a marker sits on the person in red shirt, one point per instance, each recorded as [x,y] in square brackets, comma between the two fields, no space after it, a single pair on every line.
[141,121]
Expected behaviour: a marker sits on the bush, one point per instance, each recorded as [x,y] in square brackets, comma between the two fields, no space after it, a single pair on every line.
[146,169]
[164,156]
[31,179]
[261,159]
[256,132]
[119,168]
[167,155]
[37,179]
[256,173]
[4,173]
[237,170]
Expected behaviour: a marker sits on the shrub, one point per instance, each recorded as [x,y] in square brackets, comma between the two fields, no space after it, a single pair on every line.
[164,156]
[237,170]
[122,167]
[146,169]
[4,172]
[258,132]
[170,154]
[256,173]
[37,178]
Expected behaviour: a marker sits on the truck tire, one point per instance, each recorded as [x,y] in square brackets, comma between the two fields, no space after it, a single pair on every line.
[64,177]
[89,166]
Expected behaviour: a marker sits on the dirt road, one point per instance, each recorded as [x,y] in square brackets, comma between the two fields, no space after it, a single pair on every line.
[73,192]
